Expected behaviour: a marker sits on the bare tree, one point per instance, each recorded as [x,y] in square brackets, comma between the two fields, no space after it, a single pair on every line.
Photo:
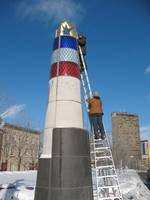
[21,147]
[17,144]
[20,144]
[6,149]
[34,152]
[5,102]
[27,146]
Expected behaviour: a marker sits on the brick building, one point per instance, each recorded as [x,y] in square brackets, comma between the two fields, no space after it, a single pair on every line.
[126,139]
[19,148]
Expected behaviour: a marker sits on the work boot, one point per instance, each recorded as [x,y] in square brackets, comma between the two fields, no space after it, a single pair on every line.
[97,136]
[103,136]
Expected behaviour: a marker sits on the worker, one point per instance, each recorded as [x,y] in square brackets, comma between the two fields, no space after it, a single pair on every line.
[82,44]
[96,116]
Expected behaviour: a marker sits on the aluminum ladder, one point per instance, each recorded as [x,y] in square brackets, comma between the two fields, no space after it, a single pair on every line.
[105,180]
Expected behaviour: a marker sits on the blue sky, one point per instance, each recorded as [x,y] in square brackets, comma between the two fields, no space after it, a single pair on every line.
[118,52]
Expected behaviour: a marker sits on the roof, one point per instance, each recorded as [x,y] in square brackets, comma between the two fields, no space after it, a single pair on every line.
[144,140]
[16,127]
[124,114]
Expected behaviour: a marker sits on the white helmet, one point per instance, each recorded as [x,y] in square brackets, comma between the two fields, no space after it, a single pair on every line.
[96,94]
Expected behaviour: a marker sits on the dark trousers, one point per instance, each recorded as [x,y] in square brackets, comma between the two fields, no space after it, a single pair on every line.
[97,124]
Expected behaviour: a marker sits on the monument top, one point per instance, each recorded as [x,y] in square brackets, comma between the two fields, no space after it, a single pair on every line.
[66,28]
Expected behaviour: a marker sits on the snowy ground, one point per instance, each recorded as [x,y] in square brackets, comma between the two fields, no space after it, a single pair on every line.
[17,185]
[132,186]
[21,185]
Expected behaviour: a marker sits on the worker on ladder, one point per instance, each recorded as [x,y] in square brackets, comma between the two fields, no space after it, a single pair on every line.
[82,44]
[94,104]
[96,116]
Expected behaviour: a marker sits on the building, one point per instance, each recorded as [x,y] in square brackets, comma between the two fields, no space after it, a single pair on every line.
[126,139]
[19,148]
[145,150]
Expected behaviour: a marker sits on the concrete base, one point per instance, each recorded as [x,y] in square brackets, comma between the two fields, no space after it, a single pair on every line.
[67,176]
[43,183]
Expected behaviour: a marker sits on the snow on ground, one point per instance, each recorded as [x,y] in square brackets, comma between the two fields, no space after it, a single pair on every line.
[132,186]
[17,185]
[21,185]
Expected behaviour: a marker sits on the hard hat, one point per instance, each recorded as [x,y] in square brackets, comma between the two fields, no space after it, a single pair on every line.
[81,35]
[96,94]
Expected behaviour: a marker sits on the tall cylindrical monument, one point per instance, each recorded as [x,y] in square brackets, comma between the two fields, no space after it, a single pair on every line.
[64,171]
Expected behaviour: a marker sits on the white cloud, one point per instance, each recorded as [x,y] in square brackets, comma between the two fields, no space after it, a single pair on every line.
[147,70]
[13,110]
[51,10]
[145,132]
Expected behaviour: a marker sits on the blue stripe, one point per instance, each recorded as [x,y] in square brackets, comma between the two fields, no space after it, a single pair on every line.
[66,42]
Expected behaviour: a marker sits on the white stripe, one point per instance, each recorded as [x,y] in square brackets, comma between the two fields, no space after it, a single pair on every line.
[46,156]
[67,88]
[65,54]
[69,114]
[62,114]
[48,140]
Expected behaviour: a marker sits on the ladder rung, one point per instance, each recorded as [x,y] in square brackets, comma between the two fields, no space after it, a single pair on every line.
[101,148]
[111,198]
[102,157]
[97,150]
[99,140]
[107,176]
[111,186]
[106,166]
[100,152]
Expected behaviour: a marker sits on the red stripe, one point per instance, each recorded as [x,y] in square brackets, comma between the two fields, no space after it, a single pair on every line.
[65,69]
[53,70]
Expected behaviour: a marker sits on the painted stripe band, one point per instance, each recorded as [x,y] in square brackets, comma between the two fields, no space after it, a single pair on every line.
[65,54]
[65,42]
[65,69]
